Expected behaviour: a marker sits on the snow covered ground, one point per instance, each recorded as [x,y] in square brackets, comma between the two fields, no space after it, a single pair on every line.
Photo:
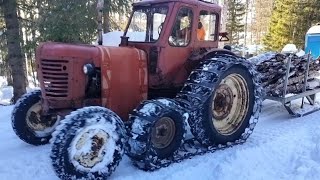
[6,92]
[281,147]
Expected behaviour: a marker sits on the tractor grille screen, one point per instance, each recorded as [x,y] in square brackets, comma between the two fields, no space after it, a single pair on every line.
[55,77]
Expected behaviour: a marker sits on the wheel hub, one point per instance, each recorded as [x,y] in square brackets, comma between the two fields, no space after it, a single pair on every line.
[41,125]
[89,149]
[163,132]
[230,104]
[222,102]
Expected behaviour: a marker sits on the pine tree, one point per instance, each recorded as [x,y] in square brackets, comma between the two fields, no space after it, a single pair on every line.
[75,20]
[15,57]
[68,21]
[114,6]
[290,21]
[236,12]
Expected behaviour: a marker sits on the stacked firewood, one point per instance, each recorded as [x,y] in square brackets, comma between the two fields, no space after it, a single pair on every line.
[273,66]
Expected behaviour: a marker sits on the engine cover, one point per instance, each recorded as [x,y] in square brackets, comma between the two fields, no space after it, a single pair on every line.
[124,78]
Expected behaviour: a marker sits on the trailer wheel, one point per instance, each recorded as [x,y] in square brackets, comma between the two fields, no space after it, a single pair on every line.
[157,131]
[228,100]
[28,122]
[88,144]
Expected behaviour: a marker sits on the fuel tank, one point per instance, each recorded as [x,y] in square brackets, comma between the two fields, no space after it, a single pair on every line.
[123,74]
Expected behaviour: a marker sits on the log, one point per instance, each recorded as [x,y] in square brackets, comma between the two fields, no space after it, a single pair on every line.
[273,66]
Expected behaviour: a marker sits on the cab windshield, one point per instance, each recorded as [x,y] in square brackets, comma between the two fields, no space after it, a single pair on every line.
[146,24]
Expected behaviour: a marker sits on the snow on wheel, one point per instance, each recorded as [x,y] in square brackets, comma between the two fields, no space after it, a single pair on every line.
[157,132]
[88,144]
[29,123]
[227,99]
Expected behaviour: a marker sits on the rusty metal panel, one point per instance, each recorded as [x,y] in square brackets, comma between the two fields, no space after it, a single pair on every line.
[60,73]
[124,78]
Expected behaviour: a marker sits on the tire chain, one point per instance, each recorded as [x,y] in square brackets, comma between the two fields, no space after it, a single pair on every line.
[187,100]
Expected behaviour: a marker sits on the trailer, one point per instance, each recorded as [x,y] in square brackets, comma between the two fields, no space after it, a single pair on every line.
[309,95]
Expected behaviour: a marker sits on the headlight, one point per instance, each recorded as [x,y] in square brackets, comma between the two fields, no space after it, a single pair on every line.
[88,69]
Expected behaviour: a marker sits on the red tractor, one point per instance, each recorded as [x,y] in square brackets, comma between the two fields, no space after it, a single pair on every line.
[167,75]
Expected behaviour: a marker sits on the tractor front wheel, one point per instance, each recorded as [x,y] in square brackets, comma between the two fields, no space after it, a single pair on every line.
[29,123]
[88,144]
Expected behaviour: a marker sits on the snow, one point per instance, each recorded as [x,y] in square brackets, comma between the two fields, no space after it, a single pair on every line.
[148,109]
[301,53]
[262,57]
[114,38]
[6,92]
[281,147]
[289,48]
[107,149]
[3,81]
[314,30]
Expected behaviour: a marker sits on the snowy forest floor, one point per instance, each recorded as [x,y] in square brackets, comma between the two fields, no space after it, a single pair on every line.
[281,147]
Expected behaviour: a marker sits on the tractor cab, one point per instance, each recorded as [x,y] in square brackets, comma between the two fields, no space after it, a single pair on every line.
[168,76]
[176,28]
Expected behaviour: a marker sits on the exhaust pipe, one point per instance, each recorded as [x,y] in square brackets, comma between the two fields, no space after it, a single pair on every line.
[100,5]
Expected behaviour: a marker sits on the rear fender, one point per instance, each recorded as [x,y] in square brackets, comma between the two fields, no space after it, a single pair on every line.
[204,53]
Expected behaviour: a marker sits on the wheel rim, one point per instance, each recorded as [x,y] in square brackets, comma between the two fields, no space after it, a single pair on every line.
[90,148]
[40,125]
[163,132]
[230,104]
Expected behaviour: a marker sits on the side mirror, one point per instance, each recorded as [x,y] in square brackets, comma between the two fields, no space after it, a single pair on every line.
[223,36]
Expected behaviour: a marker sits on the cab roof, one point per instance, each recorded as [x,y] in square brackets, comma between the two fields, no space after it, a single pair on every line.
[191,2]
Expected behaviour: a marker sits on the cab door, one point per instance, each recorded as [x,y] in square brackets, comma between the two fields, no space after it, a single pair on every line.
[178,46]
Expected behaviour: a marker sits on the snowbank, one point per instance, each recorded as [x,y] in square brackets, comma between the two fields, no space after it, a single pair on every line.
[114,38]
[6,92]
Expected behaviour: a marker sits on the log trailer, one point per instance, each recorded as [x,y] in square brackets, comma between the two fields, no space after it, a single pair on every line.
[306,94]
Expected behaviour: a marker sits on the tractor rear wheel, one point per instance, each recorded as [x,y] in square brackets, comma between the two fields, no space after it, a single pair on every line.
[88,144]
[157,131]
[29,123]
[226,100]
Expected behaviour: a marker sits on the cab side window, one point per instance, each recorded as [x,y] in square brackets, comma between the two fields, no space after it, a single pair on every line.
[207,26]
[181,31]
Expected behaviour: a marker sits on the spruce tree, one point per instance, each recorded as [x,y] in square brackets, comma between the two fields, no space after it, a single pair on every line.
[290,21]
[236,12]
[15,55]
[75,20]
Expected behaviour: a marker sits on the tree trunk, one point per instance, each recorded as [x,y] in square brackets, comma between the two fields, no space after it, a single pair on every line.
[8,73]
[16,61]
[106,22]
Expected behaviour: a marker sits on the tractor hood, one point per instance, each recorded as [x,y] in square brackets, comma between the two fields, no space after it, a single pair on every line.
[122,70]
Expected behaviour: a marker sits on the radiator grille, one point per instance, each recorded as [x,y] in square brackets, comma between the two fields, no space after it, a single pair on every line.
[55,77]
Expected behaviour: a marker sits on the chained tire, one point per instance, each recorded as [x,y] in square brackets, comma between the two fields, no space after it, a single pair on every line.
[157,131]
[27,121]
[225,97]
[88,144]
